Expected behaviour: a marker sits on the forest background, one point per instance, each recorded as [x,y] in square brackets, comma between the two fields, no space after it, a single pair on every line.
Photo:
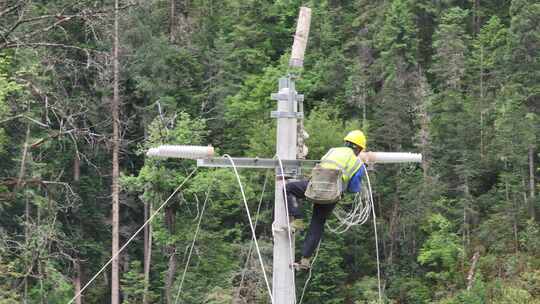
[458,81]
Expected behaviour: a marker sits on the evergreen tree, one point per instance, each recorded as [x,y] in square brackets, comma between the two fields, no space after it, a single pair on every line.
[457,81]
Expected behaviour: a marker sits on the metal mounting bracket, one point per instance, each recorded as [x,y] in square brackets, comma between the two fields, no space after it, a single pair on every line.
[278,114]
[285,96]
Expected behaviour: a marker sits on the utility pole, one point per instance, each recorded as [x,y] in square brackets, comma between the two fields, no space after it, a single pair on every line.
[287,115]
[283,287]
[283,272]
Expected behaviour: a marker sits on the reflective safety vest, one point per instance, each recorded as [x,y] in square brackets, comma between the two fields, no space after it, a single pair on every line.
[342,158]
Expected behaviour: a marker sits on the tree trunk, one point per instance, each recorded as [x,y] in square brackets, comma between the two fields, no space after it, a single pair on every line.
[513,214]
[422,93]
[464,241]
[466,228]
[532,184]
[115,284]
[23,158]
[482,110]
[28,264]
[379,199]
[515,229]
[171,271]
[170,222]
[76,170]
[77,281]
[147,250]
[20,178]
[470,276]
[77,266]
[363,97]
[393,231]
[172,21]
[424,137]
[476,17]
[481,134]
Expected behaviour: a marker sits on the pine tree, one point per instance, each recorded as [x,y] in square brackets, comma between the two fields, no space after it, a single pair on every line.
[524,39]
[486,68]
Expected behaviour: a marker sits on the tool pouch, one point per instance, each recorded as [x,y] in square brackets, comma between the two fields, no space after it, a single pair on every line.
[325,185]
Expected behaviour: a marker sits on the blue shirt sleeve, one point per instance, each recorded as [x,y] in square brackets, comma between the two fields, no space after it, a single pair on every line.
[355,184]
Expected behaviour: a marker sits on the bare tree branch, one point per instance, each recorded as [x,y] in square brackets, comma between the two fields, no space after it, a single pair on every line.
[35,24]
[9,9]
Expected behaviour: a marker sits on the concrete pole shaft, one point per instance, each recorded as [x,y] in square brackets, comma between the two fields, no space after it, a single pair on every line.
[283,276]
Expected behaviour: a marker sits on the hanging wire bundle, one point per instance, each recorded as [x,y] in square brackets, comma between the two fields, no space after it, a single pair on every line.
[356,214]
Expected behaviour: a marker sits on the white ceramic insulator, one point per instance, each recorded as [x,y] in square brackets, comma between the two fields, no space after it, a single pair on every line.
[152,152]
[182,151]
[391,157]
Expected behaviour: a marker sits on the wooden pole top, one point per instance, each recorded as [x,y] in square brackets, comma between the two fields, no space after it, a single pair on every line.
[300,38]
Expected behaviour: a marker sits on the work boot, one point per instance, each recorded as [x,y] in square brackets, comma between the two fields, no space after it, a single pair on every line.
[303,264]
[297,224]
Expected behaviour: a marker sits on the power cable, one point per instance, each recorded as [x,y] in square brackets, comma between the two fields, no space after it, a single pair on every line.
[250,251]
[193,243]
[376,238]
[252,228]
[309,274]
[132,237]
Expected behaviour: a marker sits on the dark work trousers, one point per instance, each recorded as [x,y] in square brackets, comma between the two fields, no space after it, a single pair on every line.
[295,192]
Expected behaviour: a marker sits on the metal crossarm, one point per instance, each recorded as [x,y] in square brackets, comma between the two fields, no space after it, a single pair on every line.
[261,163]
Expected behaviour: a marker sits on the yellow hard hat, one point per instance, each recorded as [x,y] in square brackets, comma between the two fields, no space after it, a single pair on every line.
[357,137]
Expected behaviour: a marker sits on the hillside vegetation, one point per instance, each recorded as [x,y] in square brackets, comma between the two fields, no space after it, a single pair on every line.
[458,81]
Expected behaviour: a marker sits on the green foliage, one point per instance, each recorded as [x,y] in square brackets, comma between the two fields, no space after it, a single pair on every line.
[53,288]
[328,276]
[186,131]
[477,294]
[324,132]
[409,290]
[523,40]
[219,296]
[441,249]
[7,86]
[456,80]
[450,45]
[398,35]
[247,109]
[488,51]
[8,273]
[133,282]
[365,291]
[509,294]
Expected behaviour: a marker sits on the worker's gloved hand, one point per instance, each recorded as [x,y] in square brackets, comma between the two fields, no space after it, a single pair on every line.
[298,225]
